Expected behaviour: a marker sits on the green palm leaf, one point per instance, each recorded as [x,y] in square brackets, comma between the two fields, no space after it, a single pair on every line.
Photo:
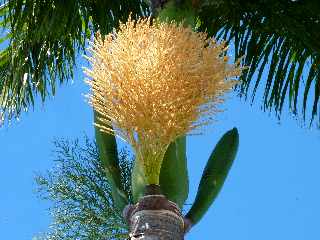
[43,41]
[42,38]
[281,34]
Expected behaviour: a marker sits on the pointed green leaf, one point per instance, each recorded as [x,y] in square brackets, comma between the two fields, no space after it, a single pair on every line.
[274,63]
[214,174]
[274,98]
[297,79]
[309,81]
[316,97]
[260,69]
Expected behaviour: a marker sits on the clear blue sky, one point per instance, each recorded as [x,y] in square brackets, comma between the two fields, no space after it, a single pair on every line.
[272,191]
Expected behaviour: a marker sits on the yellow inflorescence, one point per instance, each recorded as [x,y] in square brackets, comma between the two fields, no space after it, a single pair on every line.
[153,82]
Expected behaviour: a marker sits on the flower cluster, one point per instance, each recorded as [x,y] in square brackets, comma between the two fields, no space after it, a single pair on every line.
[153,82]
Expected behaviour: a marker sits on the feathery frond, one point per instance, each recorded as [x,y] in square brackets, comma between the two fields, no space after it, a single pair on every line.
[81,194]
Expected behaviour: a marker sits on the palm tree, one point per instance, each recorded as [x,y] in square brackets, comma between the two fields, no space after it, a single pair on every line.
[45,37]
[151,83]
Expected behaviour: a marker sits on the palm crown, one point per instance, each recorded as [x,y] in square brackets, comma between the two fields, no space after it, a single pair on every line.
[44,38]
[41,41]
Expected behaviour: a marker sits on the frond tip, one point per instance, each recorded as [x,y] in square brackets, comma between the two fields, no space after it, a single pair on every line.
[153,81]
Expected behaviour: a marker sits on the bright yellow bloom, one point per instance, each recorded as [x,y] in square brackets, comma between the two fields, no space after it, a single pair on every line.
[154,82]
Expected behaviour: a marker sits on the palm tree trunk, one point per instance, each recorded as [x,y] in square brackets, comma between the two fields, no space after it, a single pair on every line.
[155,218]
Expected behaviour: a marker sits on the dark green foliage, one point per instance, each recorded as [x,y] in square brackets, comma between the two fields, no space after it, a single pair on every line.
[214,174]
[82,200]
[284,34]
[174,180]
[42,42]
[173,11]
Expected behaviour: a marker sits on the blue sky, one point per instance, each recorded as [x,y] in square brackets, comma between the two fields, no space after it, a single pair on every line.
[272,191]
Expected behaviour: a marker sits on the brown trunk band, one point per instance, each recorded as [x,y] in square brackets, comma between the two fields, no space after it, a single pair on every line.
[154,217]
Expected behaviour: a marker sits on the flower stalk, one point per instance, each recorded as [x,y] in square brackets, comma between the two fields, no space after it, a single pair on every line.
[154,82]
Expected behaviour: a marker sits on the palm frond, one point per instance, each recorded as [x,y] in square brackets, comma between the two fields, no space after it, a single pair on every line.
[42,41]
[277,39]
